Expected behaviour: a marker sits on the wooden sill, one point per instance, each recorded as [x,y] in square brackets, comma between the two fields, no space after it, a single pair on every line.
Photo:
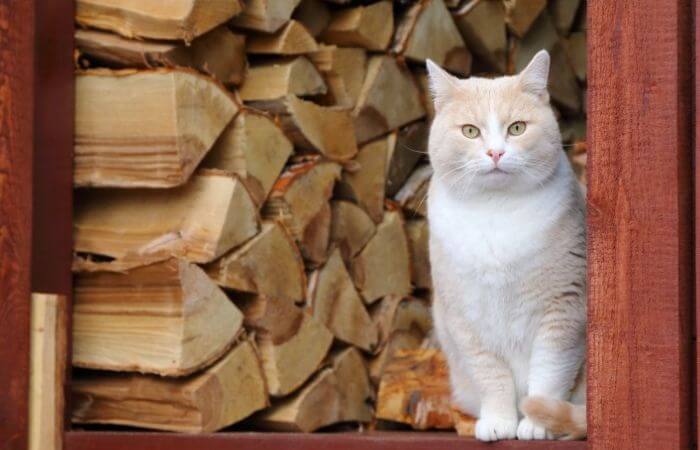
[91,440]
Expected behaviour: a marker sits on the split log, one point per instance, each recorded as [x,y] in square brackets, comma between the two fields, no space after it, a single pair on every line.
[300,194]
[292,39]
[351,228]
[219,53]
[314,15]
[573,130]
[389,99]
[413,194]
[482,24]
[370,26]
[542,36]
[253,147]
[563,86]
[366,184]
[411,145]
[326,130]
[415,390]
[427,31]
[333,300]
[292,346]
[417,233]
[340,393]
[159,127]
[575,46]
[154,19]
[269,264]
[314,242]
[265,15]
[564,13]
[383,266]
[276,79]
[199,221]
[167,318]
[403,323]
[521,14]
[426,97]
[225,393]
[343,69]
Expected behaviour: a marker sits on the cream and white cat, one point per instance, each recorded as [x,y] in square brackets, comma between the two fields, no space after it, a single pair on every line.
[508,246]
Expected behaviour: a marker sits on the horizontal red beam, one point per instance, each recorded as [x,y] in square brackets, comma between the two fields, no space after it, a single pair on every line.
[91,440]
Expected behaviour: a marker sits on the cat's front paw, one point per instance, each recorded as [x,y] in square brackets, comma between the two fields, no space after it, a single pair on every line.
[529,430]
[492,428]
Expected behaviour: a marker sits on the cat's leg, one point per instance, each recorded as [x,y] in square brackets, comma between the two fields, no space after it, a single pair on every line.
[557,355]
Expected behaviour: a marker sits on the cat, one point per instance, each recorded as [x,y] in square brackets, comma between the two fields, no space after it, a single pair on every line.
[508,255]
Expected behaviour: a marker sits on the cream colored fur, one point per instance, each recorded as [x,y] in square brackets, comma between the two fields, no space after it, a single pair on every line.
[507,250]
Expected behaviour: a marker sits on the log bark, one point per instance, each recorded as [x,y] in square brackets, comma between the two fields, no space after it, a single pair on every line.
[167,318]
[269,264]
[389,99]
[369,27]
[276,80]
[417,232]
[218,53]
[482,24]
[179,19]
[413,194]
[199,221]
[427,31]
[351,228]
[521,14]
[382,267]
[253,147]
[225,393]
[265,15]
[339,393]
[411,145]
[333,300]
[291,39]
[159,127]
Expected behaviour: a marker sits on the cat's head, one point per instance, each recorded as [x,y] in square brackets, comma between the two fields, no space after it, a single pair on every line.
[494,134]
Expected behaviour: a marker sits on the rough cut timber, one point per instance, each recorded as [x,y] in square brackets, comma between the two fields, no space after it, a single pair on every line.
[326,130]
[275,80]
[521,14]
[482,24]
[314,15]
[413,194]
[155,19]
[339,393]
[351,228]
[415,390]
[219,53]
[300,194]
[168,318]
[269,264]
[199,221]
[564,13]
[343,69]
[333,300]
[159,126]
[314,242]
[427,31]
[292,39]
[225,393]
[389,99]
[365,186]
[417,232]
[253,147]
[411,145]
[265,15]
[370,26]
[403,323]
[292,343]
[383,266]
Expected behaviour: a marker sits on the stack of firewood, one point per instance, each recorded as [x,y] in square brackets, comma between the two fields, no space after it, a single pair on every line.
[250,233]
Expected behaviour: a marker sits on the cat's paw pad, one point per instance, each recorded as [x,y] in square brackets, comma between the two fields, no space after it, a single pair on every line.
[529,430]
[495,428]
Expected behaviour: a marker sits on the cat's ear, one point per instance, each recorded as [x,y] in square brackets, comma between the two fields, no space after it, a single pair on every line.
[533,78]
[442,84]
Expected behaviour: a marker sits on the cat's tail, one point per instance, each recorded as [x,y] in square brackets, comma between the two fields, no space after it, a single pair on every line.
[560,417]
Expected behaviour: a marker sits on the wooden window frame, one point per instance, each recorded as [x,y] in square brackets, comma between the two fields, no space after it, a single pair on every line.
[641,358]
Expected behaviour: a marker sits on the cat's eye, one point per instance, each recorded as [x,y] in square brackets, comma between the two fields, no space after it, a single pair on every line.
[470,131]
[516,128]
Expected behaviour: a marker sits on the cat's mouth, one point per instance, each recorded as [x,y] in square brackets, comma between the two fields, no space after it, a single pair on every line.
[497,171]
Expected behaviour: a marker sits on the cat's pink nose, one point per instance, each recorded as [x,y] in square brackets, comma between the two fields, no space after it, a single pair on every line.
[495,154]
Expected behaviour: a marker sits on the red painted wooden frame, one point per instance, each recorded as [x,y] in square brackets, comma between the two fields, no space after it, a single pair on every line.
[640,231]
